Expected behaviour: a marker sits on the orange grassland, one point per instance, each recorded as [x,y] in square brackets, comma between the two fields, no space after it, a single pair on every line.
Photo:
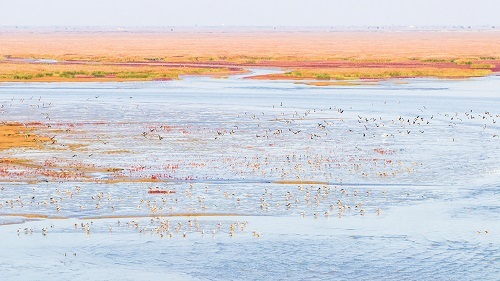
[317,55]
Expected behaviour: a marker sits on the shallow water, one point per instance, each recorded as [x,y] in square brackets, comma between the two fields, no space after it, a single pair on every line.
[307,168]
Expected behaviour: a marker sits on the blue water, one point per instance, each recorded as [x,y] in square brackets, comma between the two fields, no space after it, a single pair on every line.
[378,182]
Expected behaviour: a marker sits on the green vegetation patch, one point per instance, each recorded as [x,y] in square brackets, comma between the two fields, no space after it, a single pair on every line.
[323,76]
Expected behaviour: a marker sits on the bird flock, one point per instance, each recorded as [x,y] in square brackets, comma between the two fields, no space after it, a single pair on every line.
[137,160]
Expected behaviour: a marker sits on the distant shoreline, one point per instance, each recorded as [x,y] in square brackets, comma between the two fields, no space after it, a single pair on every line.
[226,28]
[308,53]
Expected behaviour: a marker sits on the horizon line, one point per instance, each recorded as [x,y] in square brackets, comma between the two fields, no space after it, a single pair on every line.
[254,26]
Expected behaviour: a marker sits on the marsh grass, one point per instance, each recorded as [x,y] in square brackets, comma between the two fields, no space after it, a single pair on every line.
[84,72]
[379,73]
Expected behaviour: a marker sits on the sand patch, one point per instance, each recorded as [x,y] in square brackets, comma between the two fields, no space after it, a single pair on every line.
[16,135]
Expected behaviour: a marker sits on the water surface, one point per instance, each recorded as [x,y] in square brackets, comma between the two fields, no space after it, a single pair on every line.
[273,180]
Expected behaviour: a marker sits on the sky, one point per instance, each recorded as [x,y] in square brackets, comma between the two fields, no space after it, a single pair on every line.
[249,12]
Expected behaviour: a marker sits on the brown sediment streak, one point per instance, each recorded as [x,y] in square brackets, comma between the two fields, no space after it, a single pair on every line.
[29,216]
[340,83]
[53,170]
[300,182]
[165,215]
[119,151]
[155,191]
[19,162]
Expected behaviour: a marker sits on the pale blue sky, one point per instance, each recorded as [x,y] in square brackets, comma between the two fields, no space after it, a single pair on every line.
[248,13]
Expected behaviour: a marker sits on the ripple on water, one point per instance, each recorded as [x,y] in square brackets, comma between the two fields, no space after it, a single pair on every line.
[221,150]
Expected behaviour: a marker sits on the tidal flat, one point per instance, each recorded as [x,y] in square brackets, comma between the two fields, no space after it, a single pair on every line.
[241,179]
